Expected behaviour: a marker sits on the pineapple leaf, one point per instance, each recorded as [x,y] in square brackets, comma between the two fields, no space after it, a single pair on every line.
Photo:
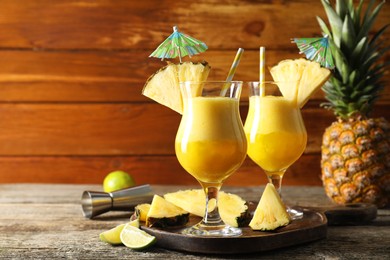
[331,96]
[353,77]
[368,89]
[345,71]
[339,58]
[359,58]
[372,55]
[334,84]
[334,21]
[361,47]
[361,85]
[380,67]
[348,34]
[357,12]
[374,78]
[341,8]
[340,89]
[368,9]
[369,20]
[370,61]
[379,33]
[329,92]
[323,26]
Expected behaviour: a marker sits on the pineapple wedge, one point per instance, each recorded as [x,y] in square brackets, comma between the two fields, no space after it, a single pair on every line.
[232,208]
[163,86]
[165,214]
[299,79]
[270,212]
[141,211]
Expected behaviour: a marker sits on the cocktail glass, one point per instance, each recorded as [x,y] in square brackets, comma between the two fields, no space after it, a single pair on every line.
[275,132]
[211,145]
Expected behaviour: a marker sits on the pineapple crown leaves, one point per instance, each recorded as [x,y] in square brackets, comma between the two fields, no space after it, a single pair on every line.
[357,79]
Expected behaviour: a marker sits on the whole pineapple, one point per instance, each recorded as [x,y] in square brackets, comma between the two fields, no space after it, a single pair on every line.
[355,149]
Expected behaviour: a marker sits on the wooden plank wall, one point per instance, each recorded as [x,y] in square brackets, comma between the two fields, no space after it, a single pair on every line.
[71,74]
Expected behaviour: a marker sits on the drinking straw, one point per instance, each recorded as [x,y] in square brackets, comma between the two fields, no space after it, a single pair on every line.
[262,71]
[232,70]
[234,65]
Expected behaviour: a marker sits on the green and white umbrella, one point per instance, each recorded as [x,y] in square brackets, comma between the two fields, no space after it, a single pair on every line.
[316,49]
[178,45]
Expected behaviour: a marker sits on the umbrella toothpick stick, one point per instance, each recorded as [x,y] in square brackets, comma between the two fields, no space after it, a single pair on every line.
[179,54]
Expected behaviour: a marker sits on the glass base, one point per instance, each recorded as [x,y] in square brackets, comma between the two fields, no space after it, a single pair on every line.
[216,231]
[294,213]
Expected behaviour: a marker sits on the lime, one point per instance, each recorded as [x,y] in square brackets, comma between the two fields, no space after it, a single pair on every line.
[134,223]
[117,180]
[136,238]
[112,236]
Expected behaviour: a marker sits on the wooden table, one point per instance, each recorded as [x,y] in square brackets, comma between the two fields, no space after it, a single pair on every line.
[46,221]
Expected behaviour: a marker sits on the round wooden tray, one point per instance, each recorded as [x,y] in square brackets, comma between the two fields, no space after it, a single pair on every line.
[311,227]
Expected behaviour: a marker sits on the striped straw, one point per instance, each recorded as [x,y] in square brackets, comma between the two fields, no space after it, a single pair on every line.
[234,65]
[232,70]
[262,71]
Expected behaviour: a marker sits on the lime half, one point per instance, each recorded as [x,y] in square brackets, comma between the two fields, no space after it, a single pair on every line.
[136,238]
[112,236]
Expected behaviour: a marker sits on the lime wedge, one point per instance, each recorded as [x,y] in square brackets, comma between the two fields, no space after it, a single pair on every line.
[112,236]
[136,238]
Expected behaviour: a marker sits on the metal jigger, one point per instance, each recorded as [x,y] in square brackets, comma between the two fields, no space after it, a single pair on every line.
[95,202]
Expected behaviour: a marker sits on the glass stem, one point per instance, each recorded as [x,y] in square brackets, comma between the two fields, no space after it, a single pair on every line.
[212,217]
[276,179]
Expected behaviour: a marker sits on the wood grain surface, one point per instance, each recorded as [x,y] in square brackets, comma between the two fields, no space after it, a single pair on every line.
[46,222]
[72,72]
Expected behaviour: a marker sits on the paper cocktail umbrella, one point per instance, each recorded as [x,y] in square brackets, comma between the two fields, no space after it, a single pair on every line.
[178,45]
[316,49]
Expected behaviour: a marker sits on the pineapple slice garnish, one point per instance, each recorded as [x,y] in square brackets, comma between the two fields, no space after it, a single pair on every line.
[270,212]
[163,86]
[299,79]
[232,208]
[312,79]
[287,75]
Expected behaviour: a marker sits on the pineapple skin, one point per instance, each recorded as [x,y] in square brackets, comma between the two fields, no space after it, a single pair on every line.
[355,162]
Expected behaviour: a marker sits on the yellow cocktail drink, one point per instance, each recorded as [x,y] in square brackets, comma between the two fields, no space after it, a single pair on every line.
[275,132]
[210,143]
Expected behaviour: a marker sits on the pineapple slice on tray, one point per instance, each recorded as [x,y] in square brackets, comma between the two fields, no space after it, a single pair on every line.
[270,212]
[163,214]
[233,209]
[141,211]
[299,79]
[163,86]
